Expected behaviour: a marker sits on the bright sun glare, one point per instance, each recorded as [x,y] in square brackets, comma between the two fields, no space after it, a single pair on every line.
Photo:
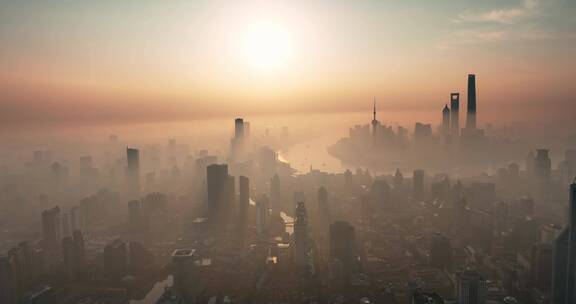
[267,46]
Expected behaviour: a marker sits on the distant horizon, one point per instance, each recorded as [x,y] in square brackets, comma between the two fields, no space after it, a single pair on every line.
[150,61]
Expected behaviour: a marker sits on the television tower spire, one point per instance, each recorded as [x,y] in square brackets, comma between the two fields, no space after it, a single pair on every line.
[374,108]
[374,121]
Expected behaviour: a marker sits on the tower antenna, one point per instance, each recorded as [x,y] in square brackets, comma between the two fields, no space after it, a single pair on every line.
[374,107]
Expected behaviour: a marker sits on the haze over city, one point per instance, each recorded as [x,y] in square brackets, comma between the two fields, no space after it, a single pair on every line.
[395,152]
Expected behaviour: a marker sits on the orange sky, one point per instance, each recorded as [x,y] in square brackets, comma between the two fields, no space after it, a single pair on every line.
[157,61]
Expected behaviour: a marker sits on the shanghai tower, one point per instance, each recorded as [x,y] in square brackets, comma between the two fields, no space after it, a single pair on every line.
[471,112]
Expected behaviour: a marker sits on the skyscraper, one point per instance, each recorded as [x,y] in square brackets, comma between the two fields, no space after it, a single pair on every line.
[440,252]
[237,142]
[12,285]
[191,274]
[185,272]
[79,253]
[471,109]
[28,263]
[133,172]
[541,266]
[422,133]
[76,222]
[322,200]
[564,253]
[374,121]
[262,209]
[454,114]
[244,184]
[70,266]
[51,230]
[530,158]
[220,188]
[73,253]
[301,241]
[445,122]
[115,259]
[7,294]
[239,129]
[471,288]
[342,245]
[542,164]
[418,184]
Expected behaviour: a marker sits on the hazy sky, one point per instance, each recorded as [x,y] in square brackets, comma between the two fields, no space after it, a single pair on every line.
[168,60]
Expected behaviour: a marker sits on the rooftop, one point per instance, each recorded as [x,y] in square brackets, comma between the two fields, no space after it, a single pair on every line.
[184,252]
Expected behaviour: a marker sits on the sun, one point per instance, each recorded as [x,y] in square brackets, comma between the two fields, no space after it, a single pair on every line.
[267,46]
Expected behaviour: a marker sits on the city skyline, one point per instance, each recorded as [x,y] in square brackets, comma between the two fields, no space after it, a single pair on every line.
[265,152]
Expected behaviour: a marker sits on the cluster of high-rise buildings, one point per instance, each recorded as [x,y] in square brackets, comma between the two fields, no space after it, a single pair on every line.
[450,127]
[246,229]
[454,145]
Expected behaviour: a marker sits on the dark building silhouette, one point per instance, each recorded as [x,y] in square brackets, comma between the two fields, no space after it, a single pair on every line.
[70,267]
[542,165]
[418,184]
[567,167]
[11,284]
[79,250]
[133,172]
[471,109]
[139,258]
[237,142]
[563,276]
[190,270]
[51,227]
[541,267]
[244,184]
[380,193]
[530,158]
[454,115]
[220,189]
[342,245]
[17,284]
[28,263]
[322,200]
[66,229]
[440,252]
[6,293]
[471,288]
[446,122]
[239,129]
[115,259]
[422,133]
[262,214]
[301,237]
[74,257]
[183,262]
